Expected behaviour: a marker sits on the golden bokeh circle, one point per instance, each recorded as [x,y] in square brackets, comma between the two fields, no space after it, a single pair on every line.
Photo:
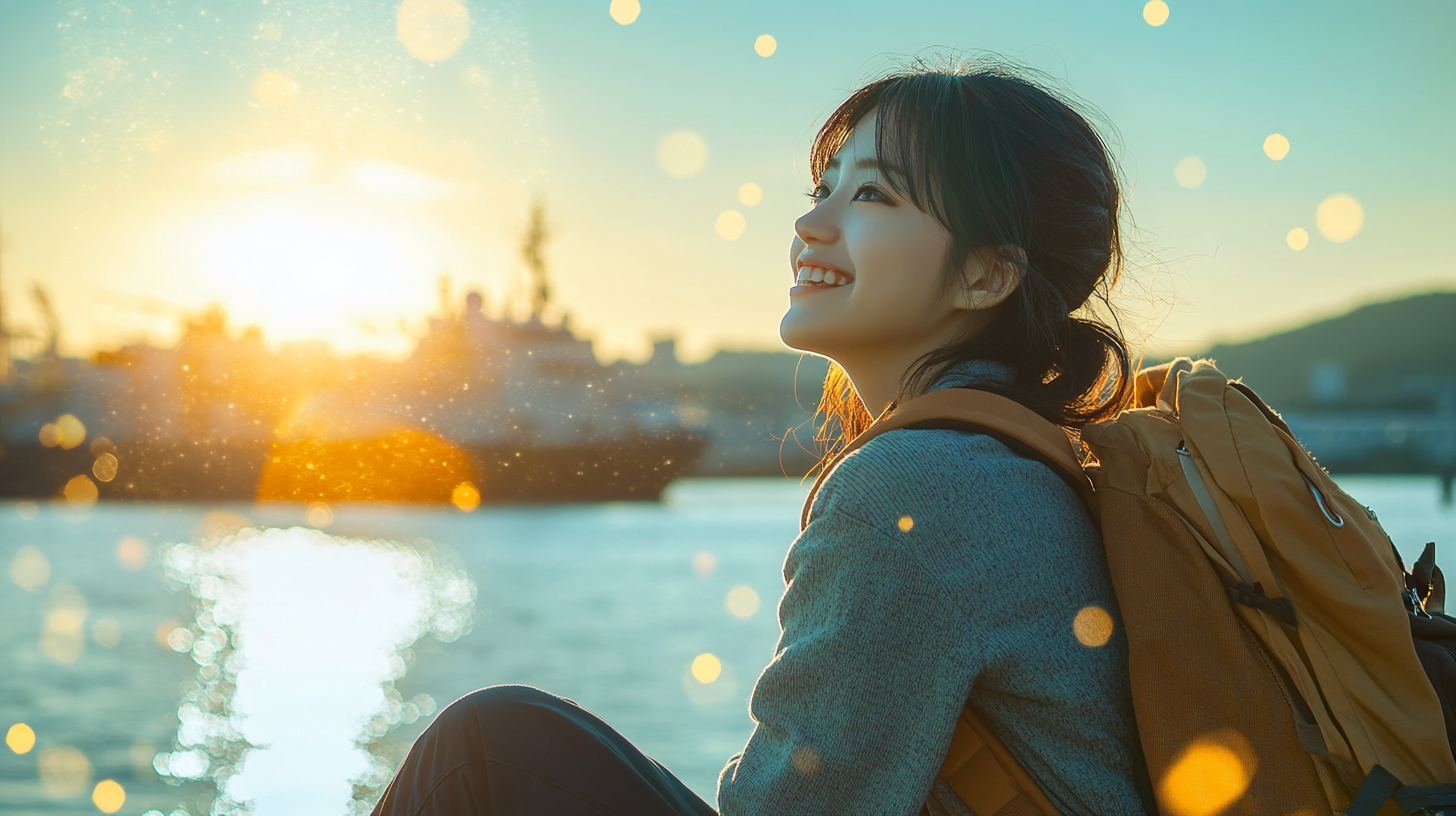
[707,667]
[765,45]
[730,225]
[20,738]
[274,88]
[108,796]
[1155,13]
[750,194]
[1339,217]
[1297,239]
[1092,626]
[433,30]
[1276,146]
[1190,172]
[625,11]
[682,153]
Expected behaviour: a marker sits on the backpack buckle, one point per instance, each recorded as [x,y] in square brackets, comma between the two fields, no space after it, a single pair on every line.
[1413,604]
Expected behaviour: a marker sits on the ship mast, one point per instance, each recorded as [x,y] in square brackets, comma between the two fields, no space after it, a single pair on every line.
[533,248]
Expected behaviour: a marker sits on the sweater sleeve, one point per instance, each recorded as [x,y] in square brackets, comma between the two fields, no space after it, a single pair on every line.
[907,589]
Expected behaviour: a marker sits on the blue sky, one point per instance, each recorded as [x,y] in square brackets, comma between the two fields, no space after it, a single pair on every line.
[138,160]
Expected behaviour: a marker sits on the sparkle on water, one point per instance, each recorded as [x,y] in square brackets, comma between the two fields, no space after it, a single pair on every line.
[299,638]
[1297,239]
[1155,12]
[730,225]
[1210,774]
[682,153]
[1276,147]
[765,45]
[63,631]
[1339,217]
[750,194]
[625,11]
[1190,172]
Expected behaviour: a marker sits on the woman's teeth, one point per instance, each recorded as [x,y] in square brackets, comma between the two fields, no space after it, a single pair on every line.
[813,275]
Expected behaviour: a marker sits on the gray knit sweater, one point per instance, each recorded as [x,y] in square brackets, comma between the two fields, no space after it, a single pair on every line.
[887,632]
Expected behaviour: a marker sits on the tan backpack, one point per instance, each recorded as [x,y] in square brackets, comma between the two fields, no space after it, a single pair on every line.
[1267,616]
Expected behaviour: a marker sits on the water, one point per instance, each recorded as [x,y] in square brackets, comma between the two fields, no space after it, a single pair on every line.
[306,644]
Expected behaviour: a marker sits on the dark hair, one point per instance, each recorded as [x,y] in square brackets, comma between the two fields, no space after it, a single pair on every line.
[1008,167]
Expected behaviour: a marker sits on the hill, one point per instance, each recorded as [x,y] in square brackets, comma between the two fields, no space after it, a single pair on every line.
[1397,354]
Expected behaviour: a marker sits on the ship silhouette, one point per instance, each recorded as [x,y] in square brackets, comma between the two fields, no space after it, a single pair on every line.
[485,408]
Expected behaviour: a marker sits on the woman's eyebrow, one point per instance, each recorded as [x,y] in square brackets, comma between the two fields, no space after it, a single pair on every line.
[862,164]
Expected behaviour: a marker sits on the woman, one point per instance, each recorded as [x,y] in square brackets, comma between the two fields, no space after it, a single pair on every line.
[960,217]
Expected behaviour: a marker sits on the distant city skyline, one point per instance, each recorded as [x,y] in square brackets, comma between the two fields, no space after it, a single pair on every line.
[315,167]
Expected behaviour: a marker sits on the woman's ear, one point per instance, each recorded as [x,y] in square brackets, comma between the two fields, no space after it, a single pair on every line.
[991,275]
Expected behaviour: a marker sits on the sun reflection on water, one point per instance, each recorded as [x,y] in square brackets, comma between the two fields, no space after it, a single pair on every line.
[299,638]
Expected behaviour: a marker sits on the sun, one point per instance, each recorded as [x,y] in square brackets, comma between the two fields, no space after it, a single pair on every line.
[312,263]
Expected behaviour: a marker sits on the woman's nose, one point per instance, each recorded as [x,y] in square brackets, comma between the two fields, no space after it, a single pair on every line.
[817,226]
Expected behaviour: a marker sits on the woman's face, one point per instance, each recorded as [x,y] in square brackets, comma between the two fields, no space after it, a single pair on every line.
[868,265]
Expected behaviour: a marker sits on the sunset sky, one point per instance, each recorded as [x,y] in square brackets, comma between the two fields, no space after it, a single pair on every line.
[315,165]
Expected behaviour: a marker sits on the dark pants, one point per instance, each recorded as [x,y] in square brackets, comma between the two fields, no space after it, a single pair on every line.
[513,750]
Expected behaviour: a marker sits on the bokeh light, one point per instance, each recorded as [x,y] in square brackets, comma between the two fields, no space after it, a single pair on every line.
[1276,147]
[1210,774]
[27,510]
[1297,239]
[1155,12]
[465,497]
[62,636]
[132,553]
[1190,172]
[80,491]
[20,738]
[1339,217]
[319,515]
[906,524]
[70,432]
[433,30]
[805,760]
[707,667]
[164,632]
[704,563]
[750,194]
[30,569]
[106,632]
[742,601]
[108,796]
[625,11]
[1092,626]
[64,771]
[274,88]
[682,153]
[730,225]
[104,468]
[765,45]
[49,435]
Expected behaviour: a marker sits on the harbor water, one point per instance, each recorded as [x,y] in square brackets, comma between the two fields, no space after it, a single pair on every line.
[279,658]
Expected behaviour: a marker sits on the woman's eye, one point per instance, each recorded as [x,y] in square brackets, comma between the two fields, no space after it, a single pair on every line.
[819,193]
[869,192]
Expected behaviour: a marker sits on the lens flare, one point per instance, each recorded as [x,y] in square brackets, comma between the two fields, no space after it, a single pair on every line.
[1092,626]
[433,30]
[730,225]
[1190,172]
[1339,217]
[20,738]
[742,601]
[682,153]
[1276,147]
[625,11]
[706,668]
[273,89]
[1210,774]
[108,796]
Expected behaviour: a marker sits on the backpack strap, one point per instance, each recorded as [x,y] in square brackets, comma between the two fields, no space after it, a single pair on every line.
[978,767]
[966,409]
[1381,786]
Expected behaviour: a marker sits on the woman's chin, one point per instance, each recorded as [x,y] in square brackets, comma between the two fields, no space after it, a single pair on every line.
[800,334]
